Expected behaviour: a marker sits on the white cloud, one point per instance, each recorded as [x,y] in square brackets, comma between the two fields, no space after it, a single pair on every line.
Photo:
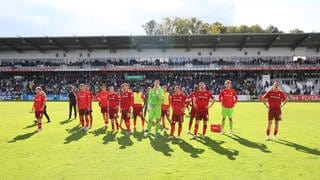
[124,17]
[286,15]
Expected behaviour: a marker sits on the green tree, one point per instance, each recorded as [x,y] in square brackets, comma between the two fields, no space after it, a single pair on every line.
[296,30]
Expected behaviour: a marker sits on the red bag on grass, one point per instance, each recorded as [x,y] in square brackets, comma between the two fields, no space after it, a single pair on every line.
[216,128]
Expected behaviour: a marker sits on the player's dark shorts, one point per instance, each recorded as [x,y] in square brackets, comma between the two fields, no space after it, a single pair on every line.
[274,113]
[202,115]
[83,112]
[104,109]
[125,114]
[113,113]
[165,112]
[137,111]
[38,114]
[89,111]
[193,112]
[177,118]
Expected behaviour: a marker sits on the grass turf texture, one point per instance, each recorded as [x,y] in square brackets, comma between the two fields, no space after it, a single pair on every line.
[62,151]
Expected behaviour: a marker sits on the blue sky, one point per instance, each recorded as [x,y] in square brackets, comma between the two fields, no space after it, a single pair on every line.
[125,17]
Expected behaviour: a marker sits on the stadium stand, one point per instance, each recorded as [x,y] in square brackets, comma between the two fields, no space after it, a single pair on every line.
[25,66]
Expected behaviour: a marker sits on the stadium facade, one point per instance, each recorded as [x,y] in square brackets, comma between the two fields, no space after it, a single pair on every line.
[252,61]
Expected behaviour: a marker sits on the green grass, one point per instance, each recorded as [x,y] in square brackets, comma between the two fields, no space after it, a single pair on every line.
[62,151]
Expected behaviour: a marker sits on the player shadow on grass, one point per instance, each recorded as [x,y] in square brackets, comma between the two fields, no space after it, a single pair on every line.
[216,147]
[160,144]
[99,131]
[188,148]
[30,126]
[138,135]
[124,141]
[75,134]
[110,136]
[22,137]
[299,147]
[66,121]
[250,144]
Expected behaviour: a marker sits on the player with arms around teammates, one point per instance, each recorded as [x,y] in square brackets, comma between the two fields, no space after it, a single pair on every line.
[201,103]
[228,98]
[126,103]
[274,100]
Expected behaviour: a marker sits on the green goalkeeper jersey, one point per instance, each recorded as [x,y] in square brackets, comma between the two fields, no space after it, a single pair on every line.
[155,97]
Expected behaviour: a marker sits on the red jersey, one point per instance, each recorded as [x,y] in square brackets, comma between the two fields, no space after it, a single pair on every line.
[83,100]
[91,96]
[228,98]
[126,100]
[275,98]
[202,98]
[178,103]
[113,100]
[39,101]
[103,98]
[190,98]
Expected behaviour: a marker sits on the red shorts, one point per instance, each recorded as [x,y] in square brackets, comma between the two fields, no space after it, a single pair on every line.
[125,114]
[83,112]
[202,115]
[38,114]
[193,112]
[137,111]
[113,113]
[165,112]
[274,113]
[104,109]
[177,118]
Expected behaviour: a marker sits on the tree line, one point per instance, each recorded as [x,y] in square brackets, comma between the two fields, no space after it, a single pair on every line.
[178,25]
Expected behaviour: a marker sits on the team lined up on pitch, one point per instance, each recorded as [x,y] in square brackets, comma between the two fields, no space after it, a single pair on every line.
[157,103]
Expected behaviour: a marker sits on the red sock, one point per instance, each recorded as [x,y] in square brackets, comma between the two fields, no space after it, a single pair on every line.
[135,122]
[127,122]
[112,126]
[196,129]
[204,129]
[117,124]
[179,129]
[163,124]
[172,129]
[142,121]
[268,132]
[82,122]
[275,132]
[39,125]
[87,122]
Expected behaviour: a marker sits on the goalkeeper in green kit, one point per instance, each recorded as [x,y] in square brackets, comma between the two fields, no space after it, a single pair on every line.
[154,107]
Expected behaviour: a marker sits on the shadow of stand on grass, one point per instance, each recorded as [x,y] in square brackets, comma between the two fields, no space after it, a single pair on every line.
[22,137]
[250,144]
[299,147]
[216,147]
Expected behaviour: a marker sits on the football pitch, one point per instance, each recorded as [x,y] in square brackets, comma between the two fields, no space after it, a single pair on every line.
[63,151]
